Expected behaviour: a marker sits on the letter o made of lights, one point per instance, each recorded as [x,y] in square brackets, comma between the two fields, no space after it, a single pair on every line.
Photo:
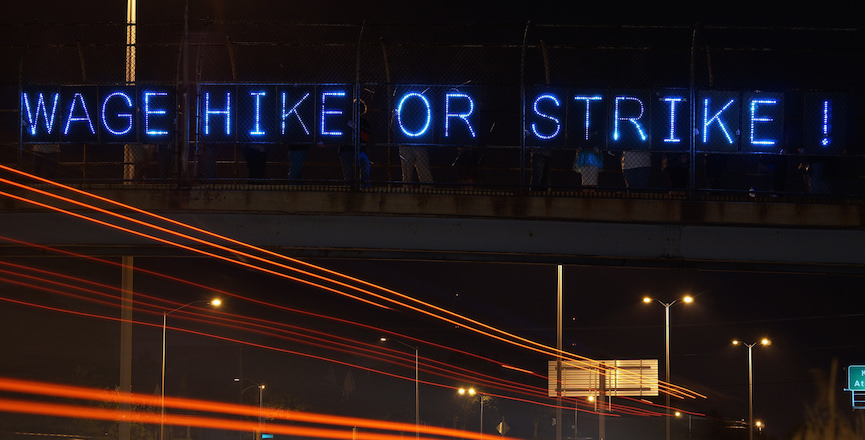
[427,122]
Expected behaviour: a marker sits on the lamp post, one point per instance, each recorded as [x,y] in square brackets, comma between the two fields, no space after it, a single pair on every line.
[213,302]
[416,384]
[472,392]
[260,387]
[764,341]
[687,299]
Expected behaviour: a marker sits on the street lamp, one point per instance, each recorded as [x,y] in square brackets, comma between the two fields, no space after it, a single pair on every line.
[416,385]
[759,425]
[764,341]
[472,392]
[214,302]
[260,387]
[687,299]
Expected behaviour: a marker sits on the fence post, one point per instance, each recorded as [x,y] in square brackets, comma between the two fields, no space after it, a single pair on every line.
[523,109]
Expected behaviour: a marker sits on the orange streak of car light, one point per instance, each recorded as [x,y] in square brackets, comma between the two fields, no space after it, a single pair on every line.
[480,328]
[74,392]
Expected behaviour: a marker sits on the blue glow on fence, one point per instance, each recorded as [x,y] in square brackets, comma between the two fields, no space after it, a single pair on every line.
[427,120]
[716,117]
[33,117]
[633,119]
[208,112]
[127,116]
[463,116]
[285,114]
[755,119]
[149,111]
[70,119]
[827,109]
[325,112]
[257,124]
[673,104]
[587,100]
[558,123]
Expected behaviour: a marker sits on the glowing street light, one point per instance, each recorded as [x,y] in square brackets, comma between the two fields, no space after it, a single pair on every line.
[471,392]
[416,384]
[214,302]
[687,299]
[764,341]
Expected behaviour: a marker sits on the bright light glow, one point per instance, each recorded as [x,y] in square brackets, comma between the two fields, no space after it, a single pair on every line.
[755,119]
[226,111]
[126,116]
[555,101]
[634,120]
[33,117]
[216,302]
[647,299]
[673,105]
[78,97]
[588,100]
[427,119]
[257,124]
[469,391]
[332,427]
[707,121]
[678,414]
[294,111]
[765,341]
[688,299]
[464,116]
[827,109]
[736,342]
[149,111]
[326,112]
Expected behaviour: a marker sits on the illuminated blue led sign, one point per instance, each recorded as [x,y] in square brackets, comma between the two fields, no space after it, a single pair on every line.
[545,120]
[587,119]
[670,113]
[723,121]
[275,113]
[216,112]
[718,121]
[297,110]
[764,128]
[460,118]
[824,131]
[629,119]
[413,116]
[434,115]
[97,114]
[120,122]
[39,111]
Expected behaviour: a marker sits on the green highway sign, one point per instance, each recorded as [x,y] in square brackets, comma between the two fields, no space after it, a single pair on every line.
[856,378]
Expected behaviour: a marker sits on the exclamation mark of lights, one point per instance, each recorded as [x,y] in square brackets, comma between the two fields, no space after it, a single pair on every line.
[826,109]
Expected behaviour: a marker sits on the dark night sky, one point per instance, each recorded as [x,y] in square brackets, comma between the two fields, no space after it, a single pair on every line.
[835,12]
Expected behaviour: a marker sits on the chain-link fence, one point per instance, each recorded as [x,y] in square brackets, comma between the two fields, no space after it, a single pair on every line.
[687,110]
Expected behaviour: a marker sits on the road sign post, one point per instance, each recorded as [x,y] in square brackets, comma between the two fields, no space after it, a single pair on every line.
[856,385]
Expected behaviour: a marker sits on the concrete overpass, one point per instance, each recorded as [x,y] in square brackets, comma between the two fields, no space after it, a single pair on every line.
[608,229]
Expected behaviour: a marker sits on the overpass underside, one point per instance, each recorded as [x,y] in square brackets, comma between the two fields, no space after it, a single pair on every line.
[640,230]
